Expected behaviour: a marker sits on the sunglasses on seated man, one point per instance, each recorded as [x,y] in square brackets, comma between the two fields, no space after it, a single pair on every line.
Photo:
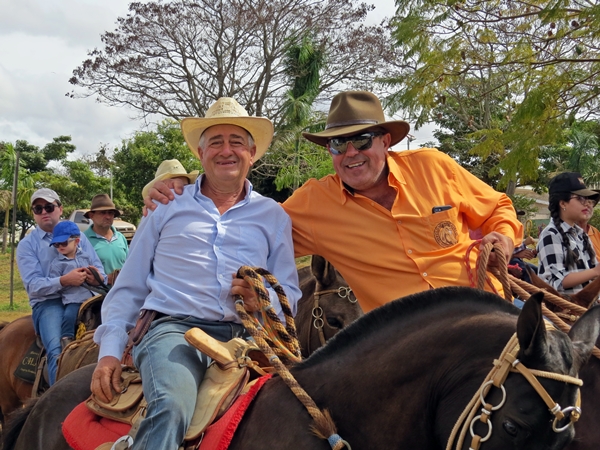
[63,244]
[363,141]
[48,207]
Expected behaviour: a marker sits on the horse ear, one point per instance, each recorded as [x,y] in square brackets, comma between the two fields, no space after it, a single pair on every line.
[584,335]
[323,270]
[531,330]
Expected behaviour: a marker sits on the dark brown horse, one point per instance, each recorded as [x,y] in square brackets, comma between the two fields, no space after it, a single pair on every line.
[327,304]
[399,377]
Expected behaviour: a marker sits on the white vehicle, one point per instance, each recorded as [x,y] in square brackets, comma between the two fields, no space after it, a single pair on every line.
[126,228]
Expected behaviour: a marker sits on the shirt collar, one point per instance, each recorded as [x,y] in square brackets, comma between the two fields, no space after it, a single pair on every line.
[573,230]
[198,192]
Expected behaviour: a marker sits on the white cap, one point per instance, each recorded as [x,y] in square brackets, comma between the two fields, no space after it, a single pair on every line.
[47,194]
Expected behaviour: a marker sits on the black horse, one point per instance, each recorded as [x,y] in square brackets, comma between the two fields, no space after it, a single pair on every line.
[399,377]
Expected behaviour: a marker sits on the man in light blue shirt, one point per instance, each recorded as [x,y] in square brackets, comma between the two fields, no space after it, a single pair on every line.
[182,265]
[34,258]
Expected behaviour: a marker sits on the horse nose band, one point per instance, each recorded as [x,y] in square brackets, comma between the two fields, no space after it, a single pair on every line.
[497,376]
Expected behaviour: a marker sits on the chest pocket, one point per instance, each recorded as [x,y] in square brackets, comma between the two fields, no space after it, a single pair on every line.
[435,232]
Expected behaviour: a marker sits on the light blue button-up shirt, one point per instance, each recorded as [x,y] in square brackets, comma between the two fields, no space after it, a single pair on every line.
[62,266]
[34,257]
[182,258]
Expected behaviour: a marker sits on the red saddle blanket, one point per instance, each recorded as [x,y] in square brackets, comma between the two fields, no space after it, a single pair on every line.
[84,430]
[218,436]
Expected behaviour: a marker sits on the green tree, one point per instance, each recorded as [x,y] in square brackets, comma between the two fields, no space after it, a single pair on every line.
[135,163]
[541,57]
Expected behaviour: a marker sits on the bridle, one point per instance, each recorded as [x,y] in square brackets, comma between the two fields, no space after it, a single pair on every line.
[507,363]
[318,313]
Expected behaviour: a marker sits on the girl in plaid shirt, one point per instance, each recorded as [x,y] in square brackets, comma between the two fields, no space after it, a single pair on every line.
[567,260]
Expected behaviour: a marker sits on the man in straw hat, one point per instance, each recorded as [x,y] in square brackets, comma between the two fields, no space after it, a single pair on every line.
[392,223]
[182,265]
[35,255]
[110,245]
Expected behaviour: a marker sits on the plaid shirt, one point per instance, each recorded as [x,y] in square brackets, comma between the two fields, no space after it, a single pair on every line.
[552,256]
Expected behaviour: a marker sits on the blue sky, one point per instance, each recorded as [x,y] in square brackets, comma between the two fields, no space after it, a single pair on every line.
[41,42]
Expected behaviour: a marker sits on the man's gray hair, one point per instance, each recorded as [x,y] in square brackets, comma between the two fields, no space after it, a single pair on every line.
[202,139]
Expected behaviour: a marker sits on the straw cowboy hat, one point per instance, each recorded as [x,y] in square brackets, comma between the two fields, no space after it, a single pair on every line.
[352,112]
[227,111]
[102,202]
[171,168]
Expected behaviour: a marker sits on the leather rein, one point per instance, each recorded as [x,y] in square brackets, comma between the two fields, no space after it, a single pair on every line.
[318,314]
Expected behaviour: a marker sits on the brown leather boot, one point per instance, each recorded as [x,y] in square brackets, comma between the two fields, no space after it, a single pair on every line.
[64,341]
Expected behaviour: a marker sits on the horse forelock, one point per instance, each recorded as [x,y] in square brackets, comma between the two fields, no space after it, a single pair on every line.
[462,300]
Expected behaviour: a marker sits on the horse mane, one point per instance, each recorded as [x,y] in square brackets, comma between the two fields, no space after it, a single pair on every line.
[394,313]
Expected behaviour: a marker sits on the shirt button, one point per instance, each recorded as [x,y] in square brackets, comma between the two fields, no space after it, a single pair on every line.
[424,274]
[399,222]
[410,252]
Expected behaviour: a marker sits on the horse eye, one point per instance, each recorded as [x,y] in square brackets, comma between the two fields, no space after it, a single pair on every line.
[510,428]
[334,323]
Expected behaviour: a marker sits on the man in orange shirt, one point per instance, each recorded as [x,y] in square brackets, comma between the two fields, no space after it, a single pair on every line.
[392,223]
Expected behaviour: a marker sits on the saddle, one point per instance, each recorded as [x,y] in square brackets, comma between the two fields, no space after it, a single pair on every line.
[234,364]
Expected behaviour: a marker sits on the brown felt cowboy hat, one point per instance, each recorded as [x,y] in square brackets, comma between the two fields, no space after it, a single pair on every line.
[102,202]
[227,111]
[352,112]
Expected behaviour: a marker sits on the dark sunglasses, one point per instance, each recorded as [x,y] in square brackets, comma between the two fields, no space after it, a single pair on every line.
[63,244]
[363,141]
[48,207]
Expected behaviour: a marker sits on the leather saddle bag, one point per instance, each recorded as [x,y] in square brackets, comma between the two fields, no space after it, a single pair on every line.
[125,407]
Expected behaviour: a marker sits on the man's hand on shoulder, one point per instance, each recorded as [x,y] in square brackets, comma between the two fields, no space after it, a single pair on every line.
[162,193]
[106,378]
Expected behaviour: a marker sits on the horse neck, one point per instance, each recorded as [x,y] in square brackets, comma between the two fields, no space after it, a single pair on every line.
[422,368]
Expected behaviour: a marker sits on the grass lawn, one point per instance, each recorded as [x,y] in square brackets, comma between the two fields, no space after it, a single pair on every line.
[20,305]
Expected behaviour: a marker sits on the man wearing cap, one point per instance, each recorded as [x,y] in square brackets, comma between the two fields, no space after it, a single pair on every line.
[110,245]
[182,264]
[392,223]
[34,258]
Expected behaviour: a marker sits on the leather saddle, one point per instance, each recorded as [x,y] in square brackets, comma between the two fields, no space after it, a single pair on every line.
[234,364]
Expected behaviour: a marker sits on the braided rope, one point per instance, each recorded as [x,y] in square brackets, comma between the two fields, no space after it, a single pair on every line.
[323,426]
[482,271]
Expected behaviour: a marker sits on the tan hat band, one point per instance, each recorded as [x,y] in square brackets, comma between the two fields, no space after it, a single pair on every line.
[352,122]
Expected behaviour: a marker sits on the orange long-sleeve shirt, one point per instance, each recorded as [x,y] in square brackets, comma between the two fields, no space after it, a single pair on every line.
[385,254]
[594,236]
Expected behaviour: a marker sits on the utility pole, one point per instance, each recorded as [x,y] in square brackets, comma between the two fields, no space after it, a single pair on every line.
[409,139]
[13,226]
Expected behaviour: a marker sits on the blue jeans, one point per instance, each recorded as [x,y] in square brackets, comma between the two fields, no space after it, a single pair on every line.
[47,321]
[70,314]
[171,371]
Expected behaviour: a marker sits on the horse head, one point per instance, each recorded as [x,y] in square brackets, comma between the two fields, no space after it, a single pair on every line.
[327,304]
[553,359]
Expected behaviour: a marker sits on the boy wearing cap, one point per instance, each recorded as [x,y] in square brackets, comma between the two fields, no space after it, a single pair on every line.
[567,260]
[34,257]
[65,239]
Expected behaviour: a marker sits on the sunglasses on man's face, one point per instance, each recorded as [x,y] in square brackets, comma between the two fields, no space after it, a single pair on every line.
[63,244]
[363,141]
[48,207]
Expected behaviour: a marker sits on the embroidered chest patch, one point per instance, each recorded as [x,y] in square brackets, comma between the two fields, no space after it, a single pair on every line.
[445,234]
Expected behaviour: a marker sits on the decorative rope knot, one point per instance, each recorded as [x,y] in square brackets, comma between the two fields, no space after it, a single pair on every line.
[274,340]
